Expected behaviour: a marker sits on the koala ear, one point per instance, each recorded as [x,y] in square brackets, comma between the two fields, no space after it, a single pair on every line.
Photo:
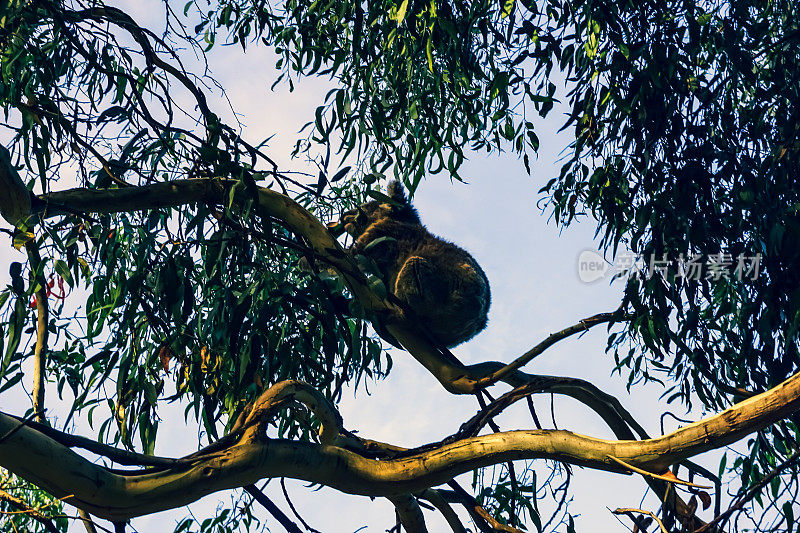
[395,192]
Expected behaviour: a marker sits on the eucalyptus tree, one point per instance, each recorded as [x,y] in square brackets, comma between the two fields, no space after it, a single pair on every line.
[210,276]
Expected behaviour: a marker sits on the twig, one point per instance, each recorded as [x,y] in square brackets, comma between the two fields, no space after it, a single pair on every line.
[22,422]
[751,493]
[291,506]
[273,509]
[26,509]
[668,479]
[527,357]
[641,511]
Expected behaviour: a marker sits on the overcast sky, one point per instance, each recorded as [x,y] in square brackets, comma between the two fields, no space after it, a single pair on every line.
[531,265]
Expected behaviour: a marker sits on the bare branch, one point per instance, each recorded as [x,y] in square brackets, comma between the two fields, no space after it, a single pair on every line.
[273,509]
[433,496]
[409,513]
[40,349]
[528,356]
[641,511]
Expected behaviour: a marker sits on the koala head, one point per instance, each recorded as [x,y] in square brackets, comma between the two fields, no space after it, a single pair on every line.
[396,208]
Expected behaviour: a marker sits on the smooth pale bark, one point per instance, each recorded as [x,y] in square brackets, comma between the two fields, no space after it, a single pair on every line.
[40,348]
[62,472]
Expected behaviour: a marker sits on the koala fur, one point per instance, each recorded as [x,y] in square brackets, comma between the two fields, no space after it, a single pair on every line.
[439,282]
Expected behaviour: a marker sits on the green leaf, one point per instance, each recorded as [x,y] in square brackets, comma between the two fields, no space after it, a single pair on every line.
[429,53]
[15,270]
[62,270]
[507,7]
[339,175]
[11,382]
[401,12]
[21,238]
[381,197]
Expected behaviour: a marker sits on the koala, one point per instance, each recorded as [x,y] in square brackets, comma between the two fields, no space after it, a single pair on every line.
[439,282]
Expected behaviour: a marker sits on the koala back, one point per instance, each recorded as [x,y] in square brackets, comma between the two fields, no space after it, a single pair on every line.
[438,281]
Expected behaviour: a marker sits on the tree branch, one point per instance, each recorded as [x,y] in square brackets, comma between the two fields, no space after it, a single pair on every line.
[751,493]
[86,519]
[442,505]
[275,397]
[273,509]
[40,349]
[113,496]
[451,373]
[528,356]
[409,513]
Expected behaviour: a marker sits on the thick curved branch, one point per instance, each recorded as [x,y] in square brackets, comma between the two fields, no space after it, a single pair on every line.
[31,455]
[265,406]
